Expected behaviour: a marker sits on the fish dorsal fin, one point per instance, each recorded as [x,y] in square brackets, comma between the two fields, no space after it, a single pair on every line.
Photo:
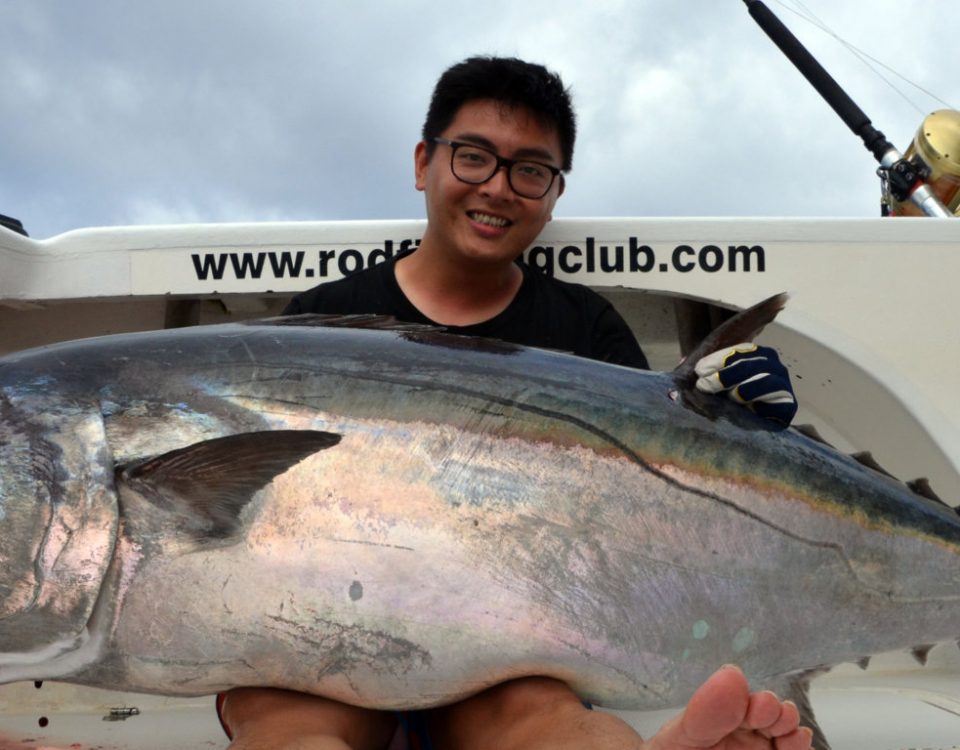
[921,653]
[204,487]
[922,487]
[421,333]
[865,458]
[318,320]
[743,326]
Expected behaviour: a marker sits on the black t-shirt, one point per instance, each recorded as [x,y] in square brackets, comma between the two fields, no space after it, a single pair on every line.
[546,313]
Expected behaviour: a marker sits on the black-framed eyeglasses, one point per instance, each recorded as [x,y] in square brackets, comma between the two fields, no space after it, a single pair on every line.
[475,165]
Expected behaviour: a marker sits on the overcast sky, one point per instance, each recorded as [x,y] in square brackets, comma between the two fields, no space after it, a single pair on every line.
[119,112]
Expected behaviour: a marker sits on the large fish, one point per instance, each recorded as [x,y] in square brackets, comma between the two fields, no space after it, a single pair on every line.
[401,518]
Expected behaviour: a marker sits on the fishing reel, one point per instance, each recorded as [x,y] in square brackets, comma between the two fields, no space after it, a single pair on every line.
[923,182]
[933,157]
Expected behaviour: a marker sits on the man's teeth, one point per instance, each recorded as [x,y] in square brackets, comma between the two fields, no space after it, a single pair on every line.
[493,221]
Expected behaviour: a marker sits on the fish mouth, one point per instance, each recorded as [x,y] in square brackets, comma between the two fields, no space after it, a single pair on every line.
[490,220]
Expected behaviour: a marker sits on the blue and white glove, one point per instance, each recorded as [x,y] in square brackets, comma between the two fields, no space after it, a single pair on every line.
[751,375]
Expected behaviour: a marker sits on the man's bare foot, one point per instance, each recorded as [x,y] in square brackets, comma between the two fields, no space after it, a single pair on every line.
[724,715]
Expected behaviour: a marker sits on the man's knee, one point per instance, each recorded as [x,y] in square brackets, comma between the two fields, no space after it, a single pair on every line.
[504,715]
[532,712]
[529,695]
[280,718]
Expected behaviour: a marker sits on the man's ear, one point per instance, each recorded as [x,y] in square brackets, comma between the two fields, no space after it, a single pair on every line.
[421,158]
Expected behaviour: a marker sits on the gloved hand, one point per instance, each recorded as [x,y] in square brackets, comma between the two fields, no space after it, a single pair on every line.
[751,375]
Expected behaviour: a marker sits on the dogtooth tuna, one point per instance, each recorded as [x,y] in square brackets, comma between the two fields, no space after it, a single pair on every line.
[397,517]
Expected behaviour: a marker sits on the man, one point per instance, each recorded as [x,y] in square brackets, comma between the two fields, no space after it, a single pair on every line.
[497,140]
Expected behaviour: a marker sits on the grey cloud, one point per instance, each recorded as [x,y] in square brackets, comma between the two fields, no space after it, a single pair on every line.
[241,111]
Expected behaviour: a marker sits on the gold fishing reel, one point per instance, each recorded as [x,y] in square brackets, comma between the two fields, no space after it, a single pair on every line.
[935,153]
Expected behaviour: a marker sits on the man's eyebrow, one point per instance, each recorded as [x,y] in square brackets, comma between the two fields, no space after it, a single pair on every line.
[534,153]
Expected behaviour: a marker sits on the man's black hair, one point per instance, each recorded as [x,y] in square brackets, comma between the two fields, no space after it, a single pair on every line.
[511,82]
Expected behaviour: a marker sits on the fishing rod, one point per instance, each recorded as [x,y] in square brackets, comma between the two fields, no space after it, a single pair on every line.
[905,178]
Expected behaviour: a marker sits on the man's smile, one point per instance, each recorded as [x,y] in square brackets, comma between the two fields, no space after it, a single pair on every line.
[489,219]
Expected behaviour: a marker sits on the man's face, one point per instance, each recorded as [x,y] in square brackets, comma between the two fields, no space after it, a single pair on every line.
[488,222]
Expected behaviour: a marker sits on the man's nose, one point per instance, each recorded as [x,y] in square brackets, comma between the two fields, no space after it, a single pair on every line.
[499,183]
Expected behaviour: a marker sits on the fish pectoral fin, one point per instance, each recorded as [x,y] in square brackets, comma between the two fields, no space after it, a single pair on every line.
[203,488]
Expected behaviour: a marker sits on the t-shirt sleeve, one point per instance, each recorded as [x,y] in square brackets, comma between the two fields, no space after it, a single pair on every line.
[614,342]
[351,295]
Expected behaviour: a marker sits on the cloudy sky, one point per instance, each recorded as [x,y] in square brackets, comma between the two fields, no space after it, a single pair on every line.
[118,112]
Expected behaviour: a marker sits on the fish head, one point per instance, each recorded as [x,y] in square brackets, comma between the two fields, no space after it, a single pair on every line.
[58,523]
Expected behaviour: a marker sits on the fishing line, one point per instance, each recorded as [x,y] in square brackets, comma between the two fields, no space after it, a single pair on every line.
[806,14]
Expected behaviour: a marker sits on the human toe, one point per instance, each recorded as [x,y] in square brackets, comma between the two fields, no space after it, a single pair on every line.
[800,739]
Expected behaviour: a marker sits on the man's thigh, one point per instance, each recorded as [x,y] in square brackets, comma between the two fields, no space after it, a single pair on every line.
[528,714]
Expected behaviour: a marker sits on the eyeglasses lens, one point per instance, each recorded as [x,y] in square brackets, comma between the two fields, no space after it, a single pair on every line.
[477,165]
